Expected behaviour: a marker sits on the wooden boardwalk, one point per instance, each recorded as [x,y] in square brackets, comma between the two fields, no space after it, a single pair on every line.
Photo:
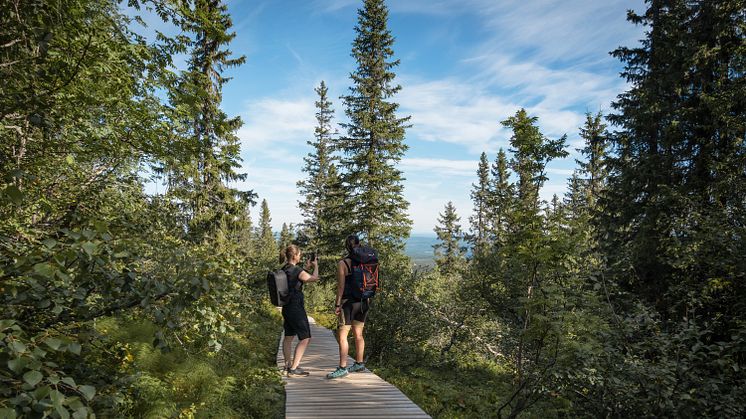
[358,395]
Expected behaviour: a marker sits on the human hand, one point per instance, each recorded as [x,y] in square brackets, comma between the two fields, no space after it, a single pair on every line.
[337,310]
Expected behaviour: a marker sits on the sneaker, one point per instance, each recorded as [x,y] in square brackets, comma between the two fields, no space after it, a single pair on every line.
[298,372]
[339,372]
[357,367]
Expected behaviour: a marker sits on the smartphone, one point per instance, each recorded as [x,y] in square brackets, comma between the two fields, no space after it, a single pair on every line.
[313,257]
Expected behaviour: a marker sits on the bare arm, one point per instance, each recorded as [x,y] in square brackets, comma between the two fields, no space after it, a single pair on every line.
[306,277]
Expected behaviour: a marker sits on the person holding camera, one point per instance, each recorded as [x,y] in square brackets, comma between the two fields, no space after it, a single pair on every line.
[295,319]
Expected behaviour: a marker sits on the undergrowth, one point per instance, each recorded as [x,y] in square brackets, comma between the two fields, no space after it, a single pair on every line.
[239,381]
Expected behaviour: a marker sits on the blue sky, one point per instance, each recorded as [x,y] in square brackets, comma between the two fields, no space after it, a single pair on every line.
[465,66]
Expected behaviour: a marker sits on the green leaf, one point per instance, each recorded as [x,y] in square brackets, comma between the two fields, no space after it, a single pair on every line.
[7,413]
[53,343]
[89,247]
[87,391]
[50,243]
[16,365]
[13,193]
[74,348]
[6,323]
[44,269]
[70,159]
[81,413]
[17,346]
[41,392]
[69,381]
[62,411]
[33,378]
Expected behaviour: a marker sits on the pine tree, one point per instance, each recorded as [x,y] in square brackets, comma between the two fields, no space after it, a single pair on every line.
[201,183]
[595,151]
[528,288]
[500,199]
[266,243]
[374,142]
[531,153]
[449,253]
[680,147]
[480,196]
[287,236]
[317,164]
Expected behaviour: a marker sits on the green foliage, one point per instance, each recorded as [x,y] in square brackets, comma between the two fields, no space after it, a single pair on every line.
[91,106]
[480,197]
[449,253]
[239,381]
[374,142]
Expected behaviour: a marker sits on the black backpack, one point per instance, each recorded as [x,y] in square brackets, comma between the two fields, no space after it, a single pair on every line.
[279,287]
[363,282]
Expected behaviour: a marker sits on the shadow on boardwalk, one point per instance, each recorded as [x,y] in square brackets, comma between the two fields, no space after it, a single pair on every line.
[358,395]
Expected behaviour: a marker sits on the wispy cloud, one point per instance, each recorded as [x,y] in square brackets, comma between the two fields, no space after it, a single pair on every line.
[439,167]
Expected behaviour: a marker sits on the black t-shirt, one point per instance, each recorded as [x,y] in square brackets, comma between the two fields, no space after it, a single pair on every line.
[294,283]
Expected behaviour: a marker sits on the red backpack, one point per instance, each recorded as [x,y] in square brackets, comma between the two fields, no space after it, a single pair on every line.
[363,282]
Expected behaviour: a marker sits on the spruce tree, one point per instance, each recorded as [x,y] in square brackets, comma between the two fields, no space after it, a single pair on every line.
[500,199]
[528,287]
[672,216]
[266,243]
[449,253]
[374,140]
[674,213]
[480,196]
[317,164]
[287,236]
[531,153]
[206,131]
[595,152]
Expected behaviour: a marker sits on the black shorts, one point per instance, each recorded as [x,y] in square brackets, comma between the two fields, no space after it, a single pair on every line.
[353,312]
[295,320]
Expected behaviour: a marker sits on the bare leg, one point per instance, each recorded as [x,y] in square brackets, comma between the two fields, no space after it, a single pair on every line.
[344,348]
[287,345]
[300,348]
[357,329]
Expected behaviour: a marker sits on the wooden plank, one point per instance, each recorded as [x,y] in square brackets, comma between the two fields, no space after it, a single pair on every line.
[357,395]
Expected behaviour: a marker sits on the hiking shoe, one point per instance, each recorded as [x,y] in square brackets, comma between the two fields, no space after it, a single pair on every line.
[339,372]
[357,367]
[298,372]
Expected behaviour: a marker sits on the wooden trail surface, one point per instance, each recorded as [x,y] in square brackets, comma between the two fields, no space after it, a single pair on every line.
[357,395]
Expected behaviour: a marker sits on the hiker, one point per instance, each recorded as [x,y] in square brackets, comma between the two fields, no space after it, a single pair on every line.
[295,320]
[351,308]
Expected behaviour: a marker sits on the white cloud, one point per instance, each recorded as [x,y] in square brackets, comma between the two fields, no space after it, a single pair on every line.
[439,167]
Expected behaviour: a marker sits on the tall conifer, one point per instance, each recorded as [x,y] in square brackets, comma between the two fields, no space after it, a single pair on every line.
[201,183]
[317,163]
[500,199]
[480,197]
[595,153]
[449,252]
[266,243]
[674,213]
[374,142]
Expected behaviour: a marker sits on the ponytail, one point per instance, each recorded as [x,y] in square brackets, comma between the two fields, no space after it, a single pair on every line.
[287,254]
